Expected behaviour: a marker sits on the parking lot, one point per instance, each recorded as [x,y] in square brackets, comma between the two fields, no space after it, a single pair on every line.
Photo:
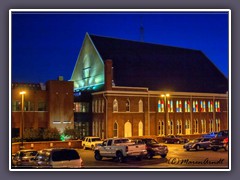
[176,158]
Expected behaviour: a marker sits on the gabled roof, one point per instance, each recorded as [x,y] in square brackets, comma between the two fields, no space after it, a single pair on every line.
[160,67]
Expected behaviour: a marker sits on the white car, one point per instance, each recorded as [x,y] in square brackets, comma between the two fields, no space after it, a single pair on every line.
[91,142]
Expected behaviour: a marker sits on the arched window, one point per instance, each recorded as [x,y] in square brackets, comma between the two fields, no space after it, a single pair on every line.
[128,105]
[187,127]
[204,126]
[217,124]
[127,129]
[115,129]
[102,105]
[115,105]
[96,106]
[161,128]
[211,125]
[140,106]
[170,127]
[179,126]
[140,128]
[195,126]
[93,106]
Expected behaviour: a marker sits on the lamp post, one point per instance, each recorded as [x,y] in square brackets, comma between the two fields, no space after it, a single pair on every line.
[166,111]
[22,119]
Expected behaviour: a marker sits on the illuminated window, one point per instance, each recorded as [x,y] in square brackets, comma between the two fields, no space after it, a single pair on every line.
[202,106]
[160,105]
[127,129]
[195,128]
[128,106]
[179,106]
[140,106]
[179,126]
[102,105]
[170,127]
[170,105]
[187,106]
[210,106]
[211,125]
[195,106]
[187,126]
[16,106]
[115,130]
[161,128]
[140,128]
[217,124]
[81,107]
[204,126]
[115,105]
[217,106]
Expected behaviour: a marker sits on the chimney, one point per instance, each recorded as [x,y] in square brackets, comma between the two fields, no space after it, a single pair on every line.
[108,74]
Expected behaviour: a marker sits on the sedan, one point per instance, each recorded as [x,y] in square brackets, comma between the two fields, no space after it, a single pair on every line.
[24,158]
[197,144]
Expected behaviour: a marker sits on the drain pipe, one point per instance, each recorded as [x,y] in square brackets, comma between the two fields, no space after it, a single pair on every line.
[106,105]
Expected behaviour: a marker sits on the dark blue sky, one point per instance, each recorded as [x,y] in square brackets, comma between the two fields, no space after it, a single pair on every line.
[46,45]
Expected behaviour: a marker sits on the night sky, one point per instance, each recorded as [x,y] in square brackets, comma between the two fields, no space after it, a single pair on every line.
[46,45]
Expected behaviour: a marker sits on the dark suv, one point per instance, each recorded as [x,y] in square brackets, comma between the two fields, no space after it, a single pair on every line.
[217,142]
[153,147]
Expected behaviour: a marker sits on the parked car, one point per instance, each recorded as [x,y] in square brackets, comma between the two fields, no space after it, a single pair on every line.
[197,144]
[23,158]
[91,142]
[120,149]
[153,147]
[210,135]
[58,158]
[174,139]
[217,142]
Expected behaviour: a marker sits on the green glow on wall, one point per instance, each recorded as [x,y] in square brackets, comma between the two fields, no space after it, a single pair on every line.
[89,68]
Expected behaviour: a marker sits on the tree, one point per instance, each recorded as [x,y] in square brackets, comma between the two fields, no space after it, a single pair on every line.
[51,134]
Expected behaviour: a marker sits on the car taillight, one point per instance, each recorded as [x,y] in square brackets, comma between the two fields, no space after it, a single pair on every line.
[126,148]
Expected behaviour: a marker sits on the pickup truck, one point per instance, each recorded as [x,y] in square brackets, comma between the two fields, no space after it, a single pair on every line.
[91,142]
[120,149]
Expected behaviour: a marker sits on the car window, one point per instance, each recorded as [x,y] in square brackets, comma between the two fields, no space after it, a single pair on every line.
[96,139]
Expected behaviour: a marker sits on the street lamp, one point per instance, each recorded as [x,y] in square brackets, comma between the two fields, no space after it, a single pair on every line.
[166,111]
[22,119]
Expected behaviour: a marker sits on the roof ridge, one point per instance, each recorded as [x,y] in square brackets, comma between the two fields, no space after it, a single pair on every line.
[135,41]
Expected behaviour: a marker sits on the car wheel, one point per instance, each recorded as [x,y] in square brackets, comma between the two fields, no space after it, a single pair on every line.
[92,147]
[120,157]
[163,155]
[149,155]
[187,149]
[197,147]
[97,156]
[214,148]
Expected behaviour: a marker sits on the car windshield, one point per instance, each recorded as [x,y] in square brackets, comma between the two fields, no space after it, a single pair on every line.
[121,141]
[28,153]
[196,140]
[151,141]
[96,139]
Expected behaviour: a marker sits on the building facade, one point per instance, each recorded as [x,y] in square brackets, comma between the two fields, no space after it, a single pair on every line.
[45,105]
[148,89]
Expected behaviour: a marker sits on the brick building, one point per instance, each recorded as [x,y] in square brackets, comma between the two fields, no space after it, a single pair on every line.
[45,105]
[137,88]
